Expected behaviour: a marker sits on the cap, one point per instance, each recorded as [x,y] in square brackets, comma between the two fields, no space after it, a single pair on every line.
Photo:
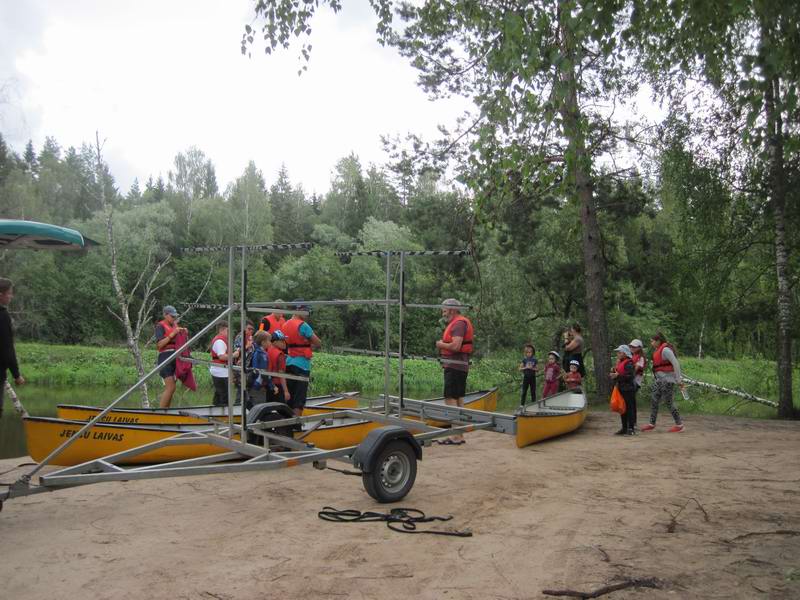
[278,335]
[451,302]
[170,310]
[300,304]
[637,343]
[625,350]
[554,353]
[574,362]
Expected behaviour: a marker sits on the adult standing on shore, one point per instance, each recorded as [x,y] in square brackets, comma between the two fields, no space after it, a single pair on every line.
[573,348]
[667,373]
[272,322]
[456,346]
[300,343]
[8,355]
[166,330]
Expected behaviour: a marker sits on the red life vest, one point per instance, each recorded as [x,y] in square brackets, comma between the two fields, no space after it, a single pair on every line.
[214,356]
[296,344]
[277,363]
[659,364]
[621,365]
[271,323]
[466,343]
[167,330]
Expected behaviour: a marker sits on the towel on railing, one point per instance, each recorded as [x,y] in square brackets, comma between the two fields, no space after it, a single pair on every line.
[183,369]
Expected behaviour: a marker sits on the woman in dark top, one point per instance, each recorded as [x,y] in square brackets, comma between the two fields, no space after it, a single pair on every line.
[573,348]
[624,375]
[8,356]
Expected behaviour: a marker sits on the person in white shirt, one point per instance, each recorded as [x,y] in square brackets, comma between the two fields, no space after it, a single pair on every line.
[219,368]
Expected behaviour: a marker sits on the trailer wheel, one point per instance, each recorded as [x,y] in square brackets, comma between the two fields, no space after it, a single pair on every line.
[394,473]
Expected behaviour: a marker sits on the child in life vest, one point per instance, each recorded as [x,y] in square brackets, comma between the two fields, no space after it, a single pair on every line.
[551,374]
[573,378]
[529,367]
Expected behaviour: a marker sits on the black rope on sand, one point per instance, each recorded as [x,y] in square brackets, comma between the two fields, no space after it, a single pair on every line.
[405,520]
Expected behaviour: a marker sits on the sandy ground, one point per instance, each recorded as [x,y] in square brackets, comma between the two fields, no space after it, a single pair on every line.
[579,512]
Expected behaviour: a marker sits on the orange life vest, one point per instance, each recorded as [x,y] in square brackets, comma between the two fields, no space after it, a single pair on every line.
[167,330]
[296,344]
[214,356]
[466,343]
[659,364]
[277,363]
[271,323]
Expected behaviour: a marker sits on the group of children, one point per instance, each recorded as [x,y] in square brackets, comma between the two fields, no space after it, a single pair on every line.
[554,377]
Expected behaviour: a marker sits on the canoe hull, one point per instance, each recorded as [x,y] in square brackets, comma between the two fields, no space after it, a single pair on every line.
[555,416]
[45,435]
[190,415]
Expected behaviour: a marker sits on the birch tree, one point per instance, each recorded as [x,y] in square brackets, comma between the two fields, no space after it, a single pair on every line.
[143,292]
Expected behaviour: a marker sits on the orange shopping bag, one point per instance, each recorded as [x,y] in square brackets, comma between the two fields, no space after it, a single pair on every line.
[617,401]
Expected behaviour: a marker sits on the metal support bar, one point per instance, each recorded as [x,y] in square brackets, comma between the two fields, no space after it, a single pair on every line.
[396,355]
[405,252]
[67,443]
[252,248]
[237,369]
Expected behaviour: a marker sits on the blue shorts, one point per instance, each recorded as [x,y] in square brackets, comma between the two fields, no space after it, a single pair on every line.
[166,370]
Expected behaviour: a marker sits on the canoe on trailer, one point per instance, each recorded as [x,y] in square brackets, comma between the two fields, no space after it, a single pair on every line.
[189,415]
[485,400]
[45,434]
[551,417]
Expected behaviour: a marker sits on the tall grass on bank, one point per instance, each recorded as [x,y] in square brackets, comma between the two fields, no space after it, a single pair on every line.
[47,364]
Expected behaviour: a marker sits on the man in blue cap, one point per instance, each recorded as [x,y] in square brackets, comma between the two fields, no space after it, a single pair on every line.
[300,342]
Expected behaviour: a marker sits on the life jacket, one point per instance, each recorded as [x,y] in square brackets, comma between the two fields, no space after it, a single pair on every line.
[296,344]
[659,364]
[167,330]
[214,356]
[271,323]
[277,363]
[447,336]
[621,365]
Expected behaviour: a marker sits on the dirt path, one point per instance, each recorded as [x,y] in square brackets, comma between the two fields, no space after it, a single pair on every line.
[575,513]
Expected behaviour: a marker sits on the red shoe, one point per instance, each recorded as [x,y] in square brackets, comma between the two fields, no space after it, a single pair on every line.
[648,427]
[675,429]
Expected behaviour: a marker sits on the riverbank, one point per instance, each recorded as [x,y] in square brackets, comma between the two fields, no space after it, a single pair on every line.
[709,513]
[49,364]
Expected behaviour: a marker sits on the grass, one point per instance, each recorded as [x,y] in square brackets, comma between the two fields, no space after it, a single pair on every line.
[53,365]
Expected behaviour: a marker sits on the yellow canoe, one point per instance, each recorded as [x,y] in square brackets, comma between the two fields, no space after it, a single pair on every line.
[190,415]
[44,434]
[551,417]
[485,400]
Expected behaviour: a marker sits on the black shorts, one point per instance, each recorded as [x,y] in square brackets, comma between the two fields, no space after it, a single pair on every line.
[298,390]
[455,383]
[166,370]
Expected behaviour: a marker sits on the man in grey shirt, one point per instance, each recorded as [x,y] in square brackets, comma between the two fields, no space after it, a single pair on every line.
[667,373]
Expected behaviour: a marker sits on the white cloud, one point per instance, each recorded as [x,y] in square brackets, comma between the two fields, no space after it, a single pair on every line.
[157,77]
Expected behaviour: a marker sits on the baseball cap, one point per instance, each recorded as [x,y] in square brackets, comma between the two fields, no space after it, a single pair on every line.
[451,302]
[624,349]
[637,343]
[170,310]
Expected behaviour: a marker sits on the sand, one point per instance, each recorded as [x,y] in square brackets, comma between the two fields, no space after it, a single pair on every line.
[580,512]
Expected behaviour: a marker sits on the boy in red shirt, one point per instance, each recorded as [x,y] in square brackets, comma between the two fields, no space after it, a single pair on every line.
[573,378]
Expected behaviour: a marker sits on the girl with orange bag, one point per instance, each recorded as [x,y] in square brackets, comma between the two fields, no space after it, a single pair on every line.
[624,375]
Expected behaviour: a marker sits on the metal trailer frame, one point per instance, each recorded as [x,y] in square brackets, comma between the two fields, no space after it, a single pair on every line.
[279,451]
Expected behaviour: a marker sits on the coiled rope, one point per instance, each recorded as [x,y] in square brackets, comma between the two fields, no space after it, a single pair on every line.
[402,520]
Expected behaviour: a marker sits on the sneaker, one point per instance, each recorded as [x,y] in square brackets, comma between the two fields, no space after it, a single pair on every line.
[648,427]
[676,428]
[633,432]
[621,432]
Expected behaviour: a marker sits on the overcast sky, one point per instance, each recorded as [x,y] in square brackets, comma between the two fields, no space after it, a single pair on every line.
[157,77]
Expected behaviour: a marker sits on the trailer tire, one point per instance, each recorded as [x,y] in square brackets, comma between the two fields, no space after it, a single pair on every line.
[394,473]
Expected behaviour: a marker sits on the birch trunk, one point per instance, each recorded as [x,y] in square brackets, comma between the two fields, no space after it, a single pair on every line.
[580,165]
[124,305]
[777,201]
